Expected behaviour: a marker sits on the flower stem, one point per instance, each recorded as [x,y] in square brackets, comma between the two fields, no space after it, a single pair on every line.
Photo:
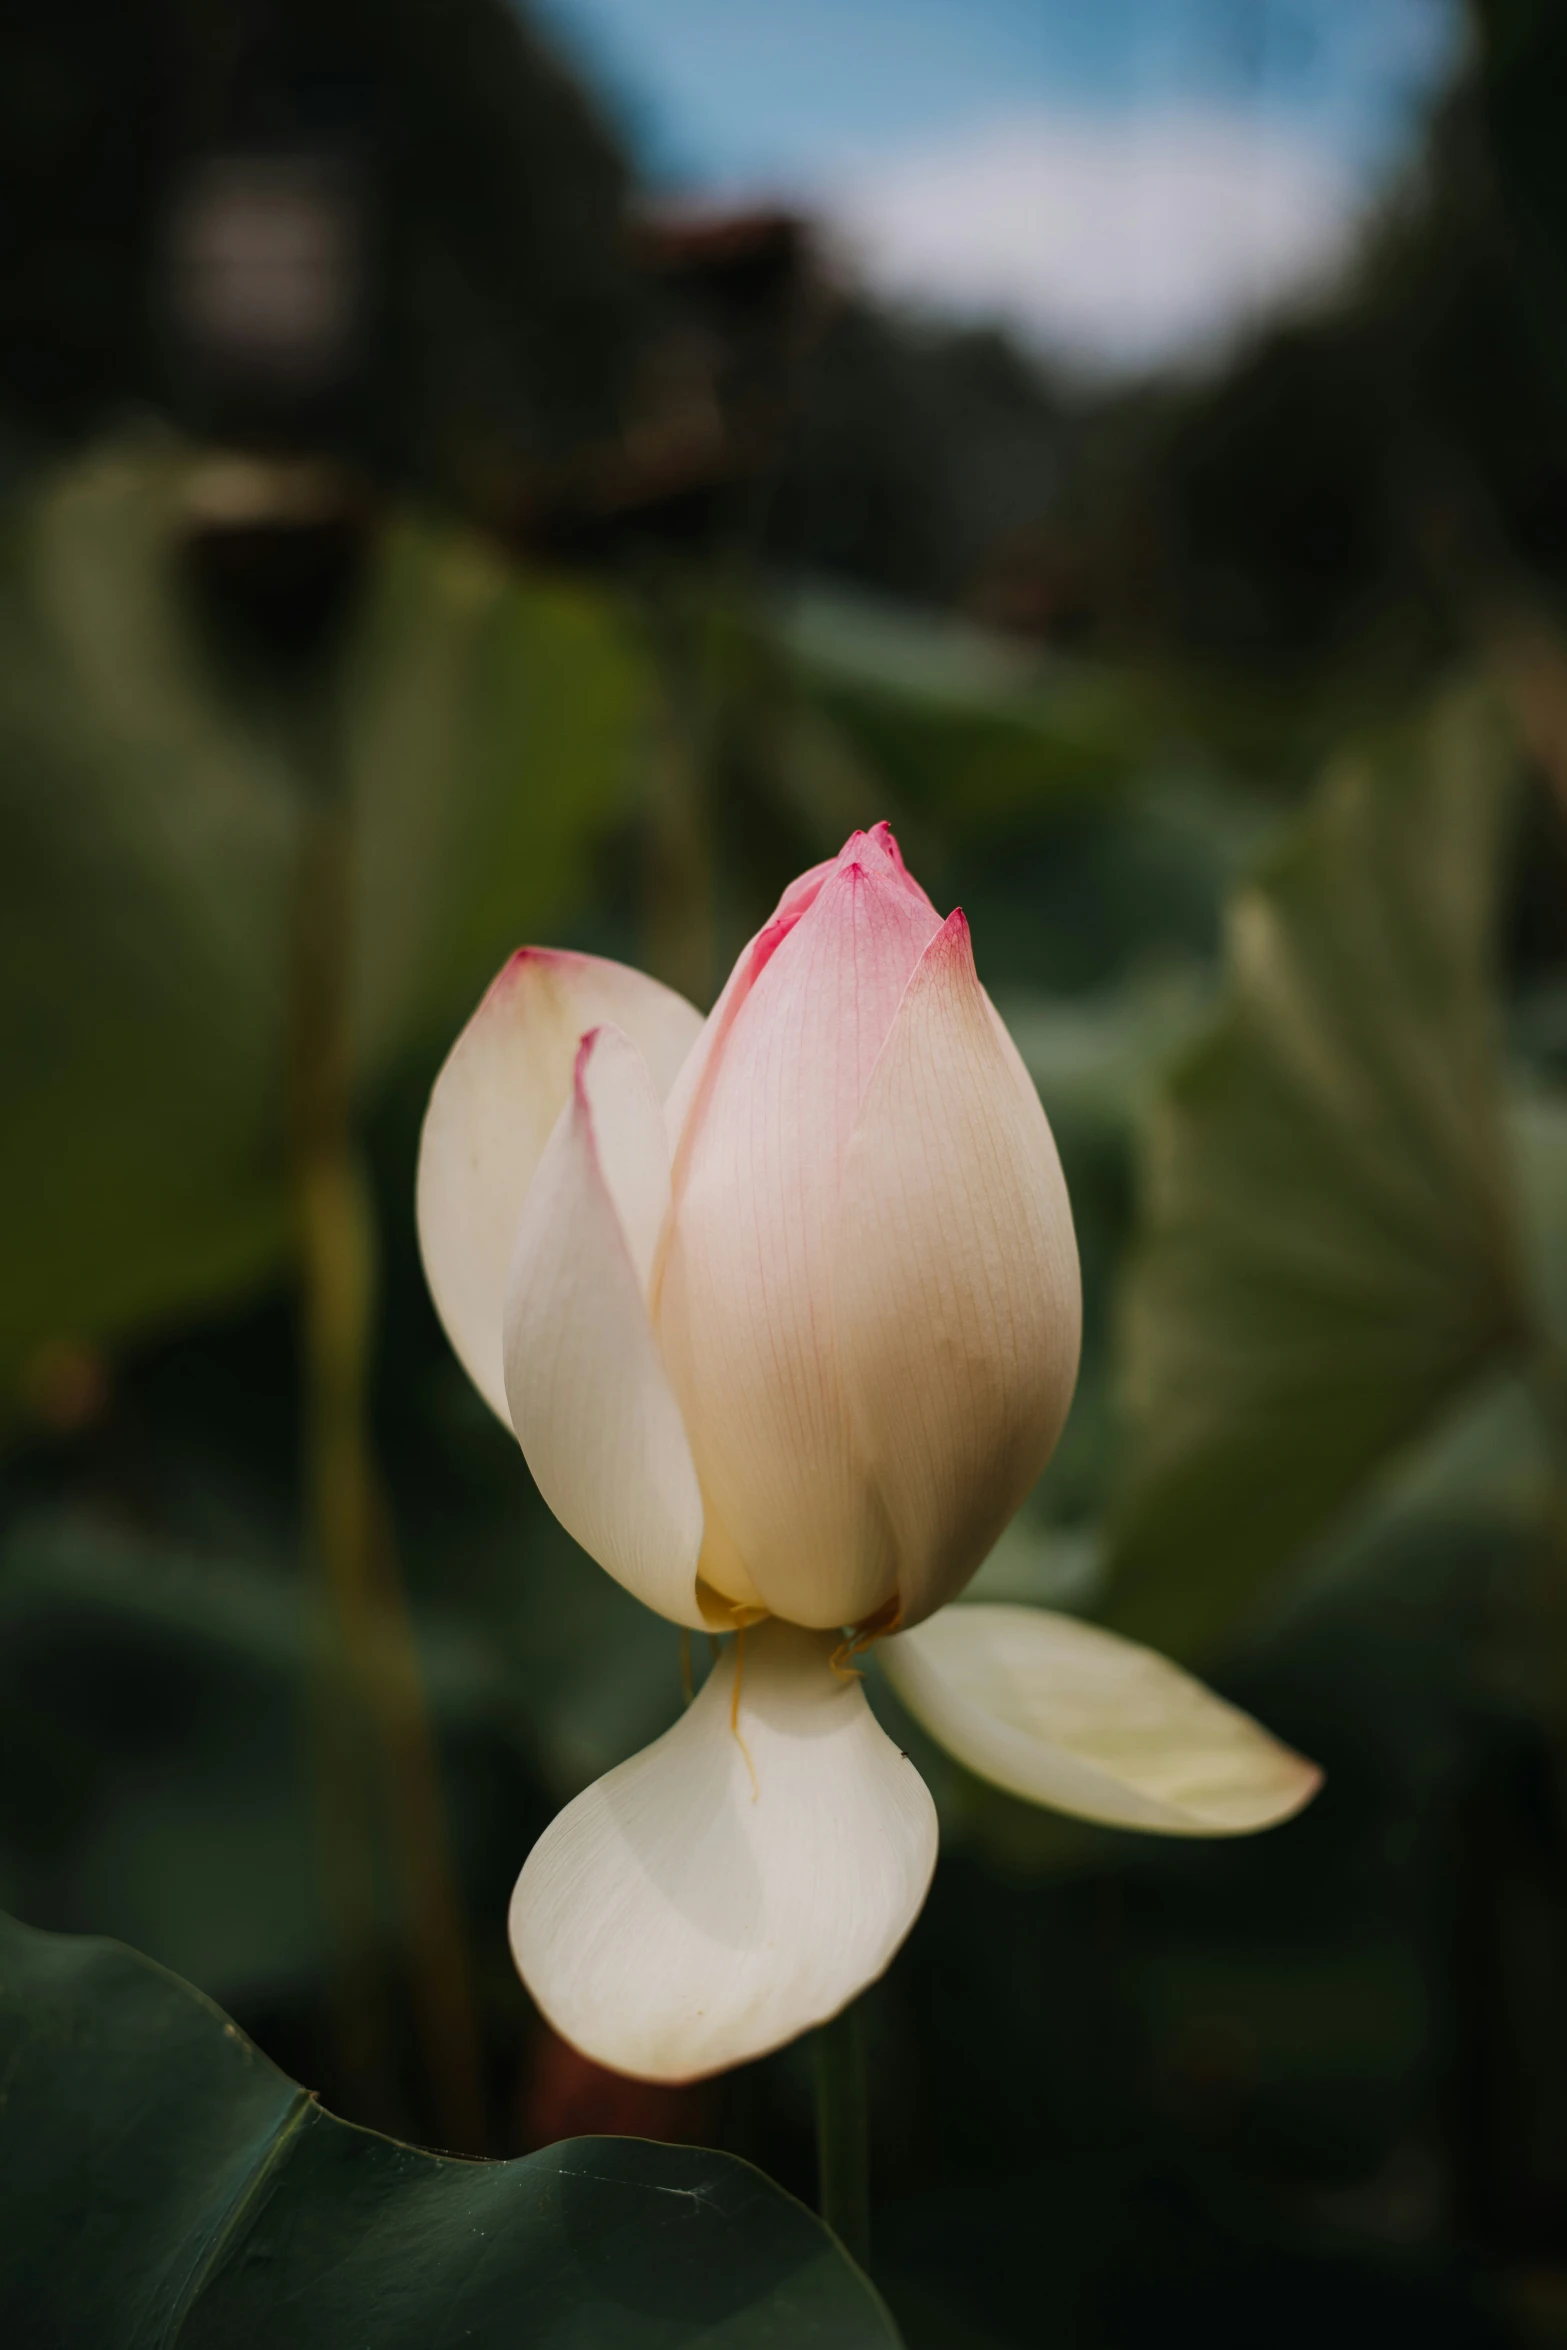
[376,1747]
[842,2139]
[1550,1370]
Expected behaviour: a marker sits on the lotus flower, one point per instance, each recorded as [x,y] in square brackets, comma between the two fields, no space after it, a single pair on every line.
[783,1307]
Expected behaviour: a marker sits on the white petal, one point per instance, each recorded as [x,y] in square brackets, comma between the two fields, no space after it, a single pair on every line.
[745,1309]
[683,1916]
[956,1297]
[490,1115]
[801,894]
[1071,1716]
[592,1408]
[691,1085]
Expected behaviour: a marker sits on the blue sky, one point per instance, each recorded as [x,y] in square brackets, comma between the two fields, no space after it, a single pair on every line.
[876,110]
[741,91]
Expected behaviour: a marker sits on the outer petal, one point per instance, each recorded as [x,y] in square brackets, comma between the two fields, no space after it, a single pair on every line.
[878,852]
[1068,1715]
[745,1310]
[955,1287]
[677,1919]
[490,1116]
[691,1086]
[801,894]
[592,1408]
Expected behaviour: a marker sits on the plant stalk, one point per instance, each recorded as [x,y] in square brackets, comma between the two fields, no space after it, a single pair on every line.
[1550,1385]
[374,1744]
[842,2134]
[678,908]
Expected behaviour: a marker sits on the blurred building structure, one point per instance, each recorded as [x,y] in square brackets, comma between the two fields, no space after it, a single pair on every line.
[730,305]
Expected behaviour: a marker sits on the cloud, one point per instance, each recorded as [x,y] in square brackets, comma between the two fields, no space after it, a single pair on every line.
[1119,242]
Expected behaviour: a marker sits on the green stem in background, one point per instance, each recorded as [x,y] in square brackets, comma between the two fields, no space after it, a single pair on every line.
[842,2136]
[678,909]
[373,1731]
[1550,1382]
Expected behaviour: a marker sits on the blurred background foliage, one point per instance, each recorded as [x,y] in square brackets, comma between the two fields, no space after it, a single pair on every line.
[597,572]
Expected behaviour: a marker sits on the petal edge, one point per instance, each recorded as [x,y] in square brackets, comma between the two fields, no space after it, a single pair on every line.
[490,1115]
[1068,1715]
[955,1284]
[670,1925]
[591,1406]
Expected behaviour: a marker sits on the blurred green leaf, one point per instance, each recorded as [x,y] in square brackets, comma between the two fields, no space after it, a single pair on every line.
[1538,1122]
[1330,1251]
[963,723]
[1055,1567]
[145,902]
[152,1744]
[492,726]
[1099,1060]
[160,2179]
[154,1750]
[154,1731]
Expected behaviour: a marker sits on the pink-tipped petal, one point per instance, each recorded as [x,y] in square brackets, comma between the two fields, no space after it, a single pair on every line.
[691,1088]
[886,838]
[710,1900]
[745,1305]
[1070,1716]
[879,847]
[593,1410]
[955,1287]
[490,1115]
[876,849]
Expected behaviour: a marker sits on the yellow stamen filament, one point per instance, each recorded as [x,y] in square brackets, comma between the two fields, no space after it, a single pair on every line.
[687,1686]
[734,1711]
[864,1636]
